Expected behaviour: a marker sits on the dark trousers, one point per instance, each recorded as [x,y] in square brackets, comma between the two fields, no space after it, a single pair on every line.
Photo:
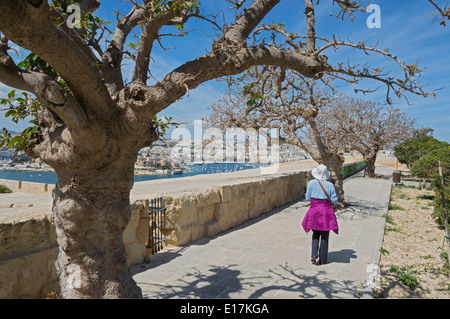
[321,250]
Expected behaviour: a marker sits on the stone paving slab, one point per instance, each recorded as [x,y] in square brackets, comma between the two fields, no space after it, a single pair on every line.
[269,256]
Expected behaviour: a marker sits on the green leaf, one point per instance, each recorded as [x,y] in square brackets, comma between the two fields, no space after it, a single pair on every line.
[189,5]
[13,141]
[10,112]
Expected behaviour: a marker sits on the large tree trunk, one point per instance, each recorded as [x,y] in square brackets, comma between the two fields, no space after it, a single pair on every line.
[370,159]
[91,205]
[91,210]
[370,167]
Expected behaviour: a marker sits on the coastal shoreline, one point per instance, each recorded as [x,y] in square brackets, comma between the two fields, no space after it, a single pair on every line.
[46,175]
[50,170]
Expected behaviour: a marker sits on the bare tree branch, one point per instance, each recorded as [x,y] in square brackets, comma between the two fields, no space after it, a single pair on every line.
[370,127]
[444,13]
[220,63]
[349,8]
[293,104]
[44,87]
[150,33]
[310,26]
[398,86]
[146,40]
[240,31]
[113,55]
[56,15]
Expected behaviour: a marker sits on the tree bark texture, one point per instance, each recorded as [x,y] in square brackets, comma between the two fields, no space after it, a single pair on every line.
[329,157]
[91,209]
[370,157]
[370,166]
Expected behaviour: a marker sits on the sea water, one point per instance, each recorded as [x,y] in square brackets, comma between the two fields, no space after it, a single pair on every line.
[51,178]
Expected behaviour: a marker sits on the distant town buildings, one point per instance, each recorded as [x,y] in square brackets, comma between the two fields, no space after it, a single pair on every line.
[174,156]
[21,162]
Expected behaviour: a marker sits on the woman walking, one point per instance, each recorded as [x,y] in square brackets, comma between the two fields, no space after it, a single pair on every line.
[320,216]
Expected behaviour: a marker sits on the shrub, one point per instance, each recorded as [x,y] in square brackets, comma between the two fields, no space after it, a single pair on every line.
[405,276]
[4,189]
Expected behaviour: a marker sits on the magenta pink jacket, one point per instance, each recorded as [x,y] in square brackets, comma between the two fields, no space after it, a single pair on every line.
[320,216]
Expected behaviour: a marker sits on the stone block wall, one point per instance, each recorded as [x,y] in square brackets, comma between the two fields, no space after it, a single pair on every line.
[197,214]
[135,235]
[28,250]
[27,187]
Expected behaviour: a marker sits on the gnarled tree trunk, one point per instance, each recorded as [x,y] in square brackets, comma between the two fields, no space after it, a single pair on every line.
[91,210]
[330,158]
[370,157]
[91,200]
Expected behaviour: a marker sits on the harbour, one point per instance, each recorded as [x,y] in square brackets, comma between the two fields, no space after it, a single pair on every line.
[49,177]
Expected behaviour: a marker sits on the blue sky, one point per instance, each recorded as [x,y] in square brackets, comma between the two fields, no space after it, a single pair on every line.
[407,29]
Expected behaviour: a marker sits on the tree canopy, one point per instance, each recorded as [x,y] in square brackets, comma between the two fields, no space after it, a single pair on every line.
[411,150]
[427,165]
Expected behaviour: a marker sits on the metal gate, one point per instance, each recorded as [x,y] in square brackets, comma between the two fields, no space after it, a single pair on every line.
[157,224]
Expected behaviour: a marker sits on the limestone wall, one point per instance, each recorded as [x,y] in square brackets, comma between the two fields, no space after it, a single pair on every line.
[27,187]
[135,235]
[28,250]
[196,214]
[28,247]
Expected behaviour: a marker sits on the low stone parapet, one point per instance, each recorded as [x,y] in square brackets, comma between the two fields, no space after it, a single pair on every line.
[28,187]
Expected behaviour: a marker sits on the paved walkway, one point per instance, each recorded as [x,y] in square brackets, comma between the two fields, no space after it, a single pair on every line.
[269,256]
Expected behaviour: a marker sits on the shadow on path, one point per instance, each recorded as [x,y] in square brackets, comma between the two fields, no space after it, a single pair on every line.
[230,282]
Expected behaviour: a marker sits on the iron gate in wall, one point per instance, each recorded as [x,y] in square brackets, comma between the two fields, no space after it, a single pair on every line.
[157,224]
